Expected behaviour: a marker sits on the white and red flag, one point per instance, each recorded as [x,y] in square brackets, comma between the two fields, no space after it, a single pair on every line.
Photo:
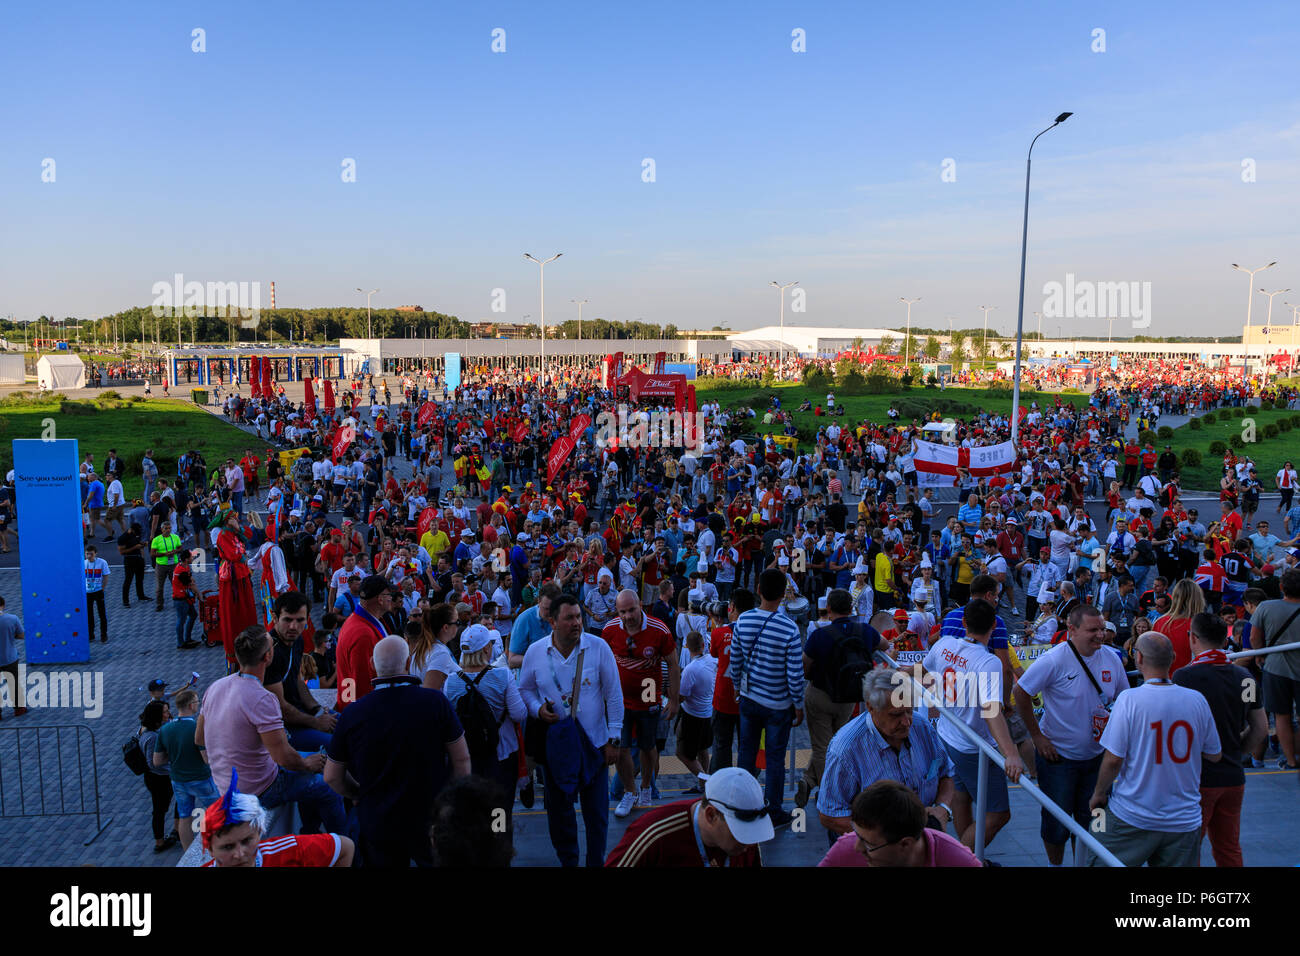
[936,465]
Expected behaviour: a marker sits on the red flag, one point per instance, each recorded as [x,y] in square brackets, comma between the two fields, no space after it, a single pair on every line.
[426,413]
[1023,412]
[427,517]
[520,431]
[679,397]
[660,358]
[618,364]
[559,454]
[255,376]
[329,397]
[308,399]
[266,379]
[579,426]
[688,422]
[342,439]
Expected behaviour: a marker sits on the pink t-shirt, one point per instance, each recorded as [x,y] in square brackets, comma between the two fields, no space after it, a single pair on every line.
[941,850]
[235,478]
[236,711]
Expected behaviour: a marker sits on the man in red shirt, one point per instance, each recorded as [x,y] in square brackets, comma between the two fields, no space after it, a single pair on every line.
[357,639]
[726,707]
[232,833]
[723,828]
[640,643]
[1132,455]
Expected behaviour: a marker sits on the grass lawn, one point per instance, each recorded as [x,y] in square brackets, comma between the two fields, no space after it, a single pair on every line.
[169,426]
[1267,453]
[914,403]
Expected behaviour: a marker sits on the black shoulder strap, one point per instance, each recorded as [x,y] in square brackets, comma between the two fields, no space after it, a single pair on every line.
[1079,657]
[1283,628]
[474,682]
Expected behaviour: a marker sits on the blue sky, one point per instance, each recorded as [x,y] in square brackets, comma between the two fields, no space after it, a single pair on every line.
[822,167]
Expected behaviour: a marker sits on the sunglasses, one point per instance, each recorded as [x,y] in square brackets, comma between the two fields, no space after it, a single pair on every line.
[745,816]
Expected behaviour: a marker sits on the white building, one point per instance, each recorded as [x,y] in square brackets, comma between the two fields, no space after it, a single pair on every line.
[806,341]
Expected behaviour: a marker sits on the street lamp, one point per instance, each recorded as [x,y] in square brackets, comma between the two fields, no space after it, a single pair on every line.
[369,332]
[907,342]
[1295,318]
[1020,309]
[580,302]
[780,290]
[1269,320]
[984,349]
[1250,298]
[541,271]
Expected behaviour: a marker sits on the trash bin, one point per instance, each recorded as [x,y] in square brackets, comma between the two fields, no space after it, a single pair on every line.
[199,396]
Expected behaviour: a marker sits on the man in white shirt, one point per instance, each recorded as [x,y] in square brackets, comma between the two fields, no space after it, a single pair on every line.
[968,679]
[546,682]
[1154,742]
[1079,680]
[695,730]
[116,502]
[1150,485]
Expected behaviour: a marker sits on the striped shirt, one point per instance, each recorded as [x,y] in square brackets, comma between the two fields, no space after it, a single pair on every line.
[954,625]
[858,756]
[767,659]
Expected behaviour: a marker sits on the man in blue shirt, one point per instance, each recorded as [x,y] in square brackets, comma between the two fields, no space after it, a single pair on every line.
[970,513]
[532,625]
[94,501]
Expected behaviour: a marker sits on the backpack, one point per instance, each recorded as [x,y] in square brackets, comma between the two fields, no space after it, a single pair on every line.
[133,755]
[481,727]
[850,662]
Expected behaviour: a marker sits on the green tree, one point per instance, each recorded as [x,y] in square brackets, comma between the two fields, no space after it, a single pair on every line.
[932,346]
[887,345]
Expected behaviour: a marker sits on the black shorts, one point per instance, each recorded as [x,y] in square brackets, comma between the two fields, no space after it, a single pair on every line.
[1280,693]
[694,735]
[642,724]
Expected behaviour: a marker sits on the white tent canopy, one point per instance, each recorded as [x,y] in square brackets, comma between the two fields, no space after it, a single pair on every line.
[61,372]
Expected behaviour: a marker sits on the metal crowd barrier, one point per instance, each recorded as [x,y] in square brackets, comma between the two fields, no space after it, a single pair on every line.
[990,754]
[81,804]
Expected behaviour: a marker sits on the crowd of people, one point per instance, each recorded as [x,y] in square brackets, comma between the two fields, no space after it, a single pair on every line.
[534,621]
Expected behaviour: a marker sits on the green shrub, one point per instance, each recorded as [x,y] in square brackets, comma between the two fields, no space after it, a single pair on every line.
[1191,458]
[1285,424]
[1239,412]
[768,378]
[1236,441]
[1147,436]
[1208,417]
[1295,420]
[851,381]
[73,407]
[111,395]
[718,384]
[880,381]
[1194,424]
[1271,430]
[816,377]
[1217,447]
[1164,432]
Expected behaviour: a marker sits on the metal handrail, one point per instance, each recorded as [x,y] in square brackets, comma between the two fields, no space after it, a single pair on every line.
[988,753]
[1260,652]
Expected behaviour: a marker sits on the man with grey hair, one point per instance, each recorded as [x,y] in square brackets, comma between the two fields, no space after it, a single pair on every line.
[884,743]
[1153,744]
[392,752]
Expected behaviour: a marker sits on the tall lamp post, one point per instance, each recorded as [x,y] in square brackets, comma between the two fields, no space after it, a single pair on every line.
[984,348]
[1250,299]
[907,342]
[1295,318]
[581,303]
[541,271]
[369,333]
[1020,309]
[1269,321]
[780,290]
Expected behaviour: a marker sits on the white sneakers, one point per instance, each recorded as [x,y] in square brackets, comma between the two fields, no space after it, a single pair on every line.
[625,805]
[646,800]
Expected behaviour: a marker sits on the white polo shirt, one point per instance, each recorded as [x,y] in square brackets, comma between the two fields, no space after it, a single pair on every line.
[1160,730]
[1073,712]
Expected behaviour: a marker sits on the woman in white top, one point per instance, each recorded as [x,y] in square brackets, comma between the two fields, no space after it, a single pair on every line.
[1062,544]
[501,693]
[925,588]
[688,620]
[1043,628]
[862,593]
[431,661]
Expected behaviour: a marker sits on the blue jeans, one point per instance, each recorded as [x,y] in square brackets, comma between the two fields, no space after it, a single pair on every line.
[185,618]
[237,501]
[317,803]
[1140,573]
[308,739]
[192,794]
[562,822]
[755,719]
[1070,784]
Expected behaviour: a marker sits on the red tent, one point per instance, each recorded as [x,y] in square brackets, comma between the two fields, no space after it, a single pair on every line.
[329,398]
[642,384]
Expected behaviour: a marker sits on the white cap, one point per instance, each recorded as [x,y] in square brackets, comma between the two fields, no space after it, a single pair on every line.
[737,796]
[474,639]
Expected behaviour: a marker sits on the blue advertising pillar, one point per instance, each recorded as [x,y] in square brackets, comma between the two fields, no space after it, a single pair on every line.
[452,375]
[48,491]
